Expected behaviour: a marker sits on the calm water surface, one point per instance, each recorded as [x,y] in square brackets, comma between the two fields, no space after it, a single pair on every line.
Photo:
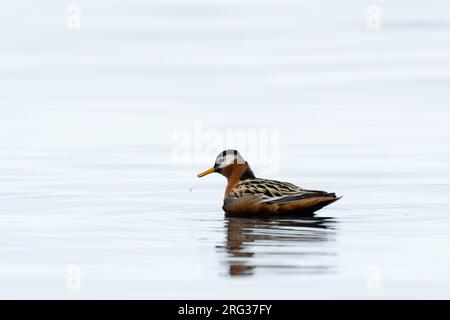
[93,206]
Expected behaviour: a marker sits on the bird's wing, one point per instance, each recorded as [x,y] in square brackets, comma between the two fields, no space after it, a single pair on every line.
[302,195]
[263,189]
[274,192]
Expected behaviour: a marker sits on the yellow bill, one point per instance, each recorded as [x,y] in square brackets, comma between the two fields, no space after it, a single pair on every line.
[204,173]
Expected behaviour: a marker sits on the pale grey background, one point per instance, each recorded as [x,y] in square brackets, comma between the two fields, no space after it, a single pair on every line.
[86,120]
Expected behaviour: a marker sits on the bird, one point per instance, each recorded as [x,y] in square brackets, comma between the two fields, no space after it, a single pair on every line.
[247,195]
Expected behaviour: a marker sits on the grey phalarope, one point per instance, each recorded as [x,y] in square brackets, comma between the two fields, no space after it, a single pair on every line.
[246,195]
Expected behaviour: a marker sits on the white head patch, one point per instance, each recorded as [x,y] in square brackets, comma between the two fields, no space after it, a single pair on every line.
[228,157]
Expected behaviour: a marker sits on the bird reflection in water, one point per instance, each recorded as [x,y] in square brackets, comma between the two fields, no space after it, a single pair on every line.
[288,245]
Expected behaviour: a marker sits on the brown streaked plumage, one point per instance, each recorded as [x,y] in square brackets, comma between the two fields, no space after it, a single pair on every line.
[246,195]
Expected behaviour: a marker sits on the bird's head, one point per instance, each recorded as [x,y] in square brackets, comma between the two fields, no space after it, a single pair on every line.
[229,163]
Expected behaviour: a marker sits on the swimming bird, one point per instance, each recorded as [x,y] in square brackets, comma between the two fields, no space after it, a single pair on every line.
[247,195]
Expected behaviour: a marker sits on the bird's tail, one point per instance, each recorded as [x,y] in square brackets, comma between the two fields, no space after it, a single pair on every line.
[304,202]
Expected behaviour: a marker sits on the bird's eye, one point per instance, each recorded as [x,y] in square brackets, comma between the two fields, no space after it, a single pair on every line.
[219,161]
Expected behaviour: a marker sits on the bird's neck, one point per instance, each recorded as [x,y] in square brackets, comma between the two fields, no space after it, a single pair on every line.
[237,174]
